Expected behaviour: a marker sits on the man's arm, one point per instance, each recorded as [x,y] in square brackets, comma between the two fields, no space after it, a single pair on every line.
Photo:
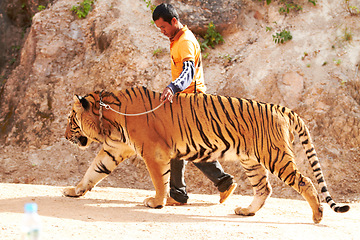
[185,78]
[181,83]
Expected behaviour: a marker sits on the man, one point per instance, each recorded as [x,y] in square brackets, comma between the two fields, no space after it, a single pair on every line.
[187,76]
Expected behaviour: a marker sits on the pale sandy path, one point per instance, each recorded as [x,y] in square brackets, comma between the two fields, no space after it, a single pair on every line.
[116,213]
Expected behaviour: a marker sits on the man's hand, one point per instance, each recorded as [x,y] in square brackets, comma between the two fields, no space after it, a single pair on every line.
[167,95]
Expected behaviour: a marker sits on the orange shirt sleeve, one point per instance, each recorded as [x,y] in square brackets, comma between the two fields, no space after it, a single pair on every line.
[187,51]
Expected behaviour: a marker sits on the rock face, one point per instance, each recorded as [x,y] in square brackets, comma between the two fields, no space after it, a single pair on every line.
[116,46]
[198,14]
[15,19]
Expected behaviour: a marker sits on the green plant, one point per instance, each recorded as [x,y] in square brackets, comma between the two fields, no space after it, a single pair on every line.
[206,55]
[211,38]
[305,55]
[310,55]
[150,5]
[313,2]
[267,1]
[343,39]
[12,61]
[157,51]
[23,32]
[16,47]
[41,7]
[353,10]
[83,8]
[310,1]
[337,61]
[282,37]
[289,6]
[203,45]
[348,36]
[227,57]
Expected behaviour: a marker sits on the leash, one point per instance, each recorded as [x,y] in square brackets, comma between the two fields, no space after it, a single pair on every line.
[108,107]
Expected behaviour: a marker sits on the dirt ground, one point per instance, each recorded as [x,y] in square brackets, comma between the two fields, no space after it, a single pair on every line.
[118,213]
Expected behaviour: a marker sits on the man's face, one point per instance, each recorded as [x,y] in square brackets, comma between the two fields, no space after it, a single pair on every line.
[166,28]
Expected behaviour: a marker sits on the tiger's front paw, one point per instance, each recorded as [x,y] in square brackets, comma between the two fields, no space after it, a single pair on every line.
[71,192]
[154,203]
[244,212]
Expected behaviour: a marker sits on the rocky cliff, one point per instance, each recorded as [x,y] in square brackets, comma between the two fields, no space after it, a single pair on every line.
[116,46]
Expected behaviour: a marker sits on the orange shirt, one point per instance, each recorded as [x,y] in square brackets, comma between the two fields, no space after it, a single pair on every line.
[185,47]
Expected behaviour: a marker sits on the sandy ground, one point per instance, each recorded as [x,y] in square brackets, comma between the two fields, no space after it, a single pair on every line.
[118,213]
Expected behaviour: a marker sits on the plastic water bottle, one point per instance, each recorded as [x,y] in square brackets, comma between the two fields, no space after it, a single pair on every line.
[31,226]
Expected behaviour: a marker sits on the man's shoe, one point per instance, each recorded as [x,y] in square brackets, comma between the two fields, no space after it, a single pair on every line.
[225,195]
[172,202]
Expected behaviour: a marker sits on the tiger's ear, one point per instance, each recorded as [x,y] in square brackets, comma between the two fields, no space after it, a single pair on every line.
[76,99]
[81,102]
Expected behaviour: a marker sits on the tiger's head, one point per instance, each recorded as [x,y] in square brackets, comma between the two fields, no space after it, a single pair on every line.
[83,125]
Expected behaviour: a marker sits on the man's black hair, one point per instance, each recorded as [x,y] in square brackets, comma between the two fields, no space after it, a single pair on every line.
[165,11]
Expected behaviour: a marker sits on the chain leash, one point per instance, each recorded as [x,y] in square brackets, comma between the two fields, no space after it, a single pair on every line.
[108,107]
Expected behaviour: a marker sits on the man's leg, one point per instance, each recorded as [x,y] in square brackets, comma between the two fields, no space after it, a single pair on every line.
[215,172]
[177,181]
[223,181]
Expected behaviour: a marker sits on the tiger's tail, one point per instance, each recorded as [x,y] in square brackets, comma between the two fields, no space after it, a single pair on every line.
[307,143]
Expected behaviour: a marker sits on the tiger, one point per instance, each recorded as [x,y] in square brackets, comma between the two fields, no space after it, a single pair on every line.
[195,127]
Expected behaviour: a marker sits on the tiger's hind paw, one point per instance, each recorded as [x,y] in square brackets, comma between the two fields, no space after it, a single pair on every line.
[318,215]
[154,203]
[71,192]
[244,212]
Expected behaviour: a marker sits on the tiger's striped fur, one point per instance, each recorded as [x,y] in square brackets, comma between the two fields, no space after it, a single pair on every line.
[195,127]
